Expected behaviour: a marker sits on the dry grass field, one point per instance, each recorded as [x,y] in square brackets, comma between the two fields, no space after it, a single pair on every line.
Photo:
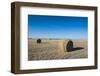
[56,49]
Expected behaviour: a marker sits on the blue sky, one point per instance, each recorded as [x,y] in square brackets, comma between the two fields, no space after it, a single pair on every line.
[69,27]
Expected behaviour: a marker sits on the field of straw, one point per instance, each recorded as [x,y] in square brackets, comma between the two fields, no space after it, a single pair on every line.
[56,49]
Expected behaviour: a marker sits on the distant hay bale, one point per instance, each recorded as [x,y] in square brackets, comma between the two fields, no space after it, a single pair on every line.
[38,40]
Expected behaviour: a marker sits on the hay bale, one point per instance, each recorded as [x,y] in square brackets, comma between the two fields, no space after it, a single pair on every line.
[69,46]
[38,40]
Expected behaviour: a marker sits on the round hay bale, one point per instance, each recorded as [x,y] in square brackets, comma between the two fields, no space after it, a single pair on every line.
[68,45]
[38,40]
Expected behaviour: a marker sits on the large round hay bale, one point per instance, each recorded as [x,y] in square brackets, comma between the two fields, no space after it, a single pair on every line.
[38,40]
[69,46]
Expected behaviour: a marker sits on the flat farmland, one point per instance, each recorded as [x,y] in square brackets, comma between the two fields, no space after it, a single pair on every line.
[50,49]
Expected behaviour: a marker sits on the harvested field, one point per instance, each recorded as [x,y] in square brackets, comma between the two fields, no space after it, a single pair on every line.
[56,49]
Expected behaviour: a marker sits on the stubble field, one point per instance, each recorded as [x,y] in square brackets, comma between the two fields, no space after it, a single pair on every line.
[56,49]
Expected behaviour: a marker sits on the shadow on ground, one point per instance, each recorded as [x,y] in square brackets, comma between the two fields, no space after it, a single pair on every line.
[75,49]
